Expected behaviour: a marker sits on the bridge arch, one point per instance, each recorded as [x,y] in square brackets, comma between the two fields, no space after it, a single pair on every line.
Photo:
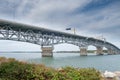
[66,47]
[10,45]
[92,49]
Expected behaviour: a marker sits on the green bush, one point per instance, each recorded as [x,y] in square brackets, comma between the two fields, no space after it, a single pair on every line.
[11,69]
[81,74]
[14,70]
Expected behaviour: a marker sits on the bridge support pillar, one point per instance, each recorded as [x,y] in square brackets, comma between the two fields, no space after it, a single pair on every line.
[83,51]
[99,50]
[117,52]
[47,51]
[110,52]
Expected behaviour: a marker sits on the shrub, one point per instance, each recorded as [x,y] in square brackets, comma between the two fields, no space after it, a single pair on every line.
[90,73]
[11,69]
[15,70]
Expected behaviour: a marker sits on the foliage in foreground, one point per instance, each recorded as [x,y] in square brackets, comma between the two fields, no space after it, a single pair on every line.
[11,69]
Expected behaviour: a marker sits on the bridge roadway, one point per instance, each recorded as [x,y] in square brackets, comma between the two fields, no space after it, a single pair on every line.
[47,38]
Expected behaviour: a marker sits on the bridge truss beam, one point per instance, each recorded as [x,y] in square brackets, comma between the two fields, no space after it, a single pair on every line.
[8,32]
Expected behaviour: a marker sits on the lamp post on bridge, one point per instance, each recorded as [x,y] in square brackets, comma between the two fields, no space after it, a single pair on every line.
[74,31]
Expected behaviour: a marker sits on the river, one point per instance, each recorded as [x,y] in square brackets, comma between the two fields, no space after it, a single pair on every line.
[102,63]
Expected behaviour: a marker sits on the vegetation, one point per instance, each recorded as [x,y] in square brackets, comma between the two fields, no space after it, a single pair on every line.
[11,69]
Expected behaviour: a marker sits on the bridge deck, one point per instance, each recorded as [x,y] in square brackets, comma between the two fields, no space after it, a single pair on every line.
[24,27]
[16,26]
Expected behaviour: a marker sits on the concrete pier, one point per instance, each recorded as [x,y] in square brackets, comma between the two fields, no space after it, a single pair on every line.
[47,51]
[117,52]
[83,51]
[110,52]
[99,50]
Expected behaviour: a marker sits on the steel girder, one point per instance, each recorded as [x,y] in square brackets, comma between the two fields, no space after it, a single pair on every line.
[45,39]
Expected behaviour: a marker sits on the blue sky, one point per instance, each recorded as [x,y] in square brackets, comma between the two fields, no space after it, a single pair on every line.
[90,18]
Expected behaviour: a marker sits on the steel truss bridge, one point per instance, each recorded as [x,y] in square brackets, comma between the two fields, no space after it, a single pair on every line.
[48,38]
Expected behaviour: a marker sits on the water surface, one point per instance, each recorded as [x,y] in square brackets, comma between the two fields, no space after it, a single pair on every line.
[102,63]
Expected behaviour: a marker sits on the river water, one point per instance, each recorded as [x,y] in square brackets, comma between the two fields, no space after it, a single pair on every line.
[102,63]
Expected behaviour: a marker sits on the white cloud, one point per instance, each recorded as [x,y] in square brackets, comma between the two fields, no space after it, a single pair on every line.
[58,14]
[47,7]
[21,7]
[54,10]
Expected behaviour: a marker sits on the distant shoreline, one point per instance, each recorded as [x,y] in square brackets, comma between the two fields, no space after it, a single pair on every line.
[20,51]
[89,51]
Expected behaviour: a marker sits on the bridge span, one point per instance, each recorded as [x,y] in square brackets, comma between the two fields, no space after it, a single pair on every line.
[47,38]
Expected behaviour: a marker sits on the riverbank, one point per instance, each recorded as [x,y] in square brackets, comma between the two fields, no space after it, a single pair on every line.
[111,75]
[11,69]
[14,69]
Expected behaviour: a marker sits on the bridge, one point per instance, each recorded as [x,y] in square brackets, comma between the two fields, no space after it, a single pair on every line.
[47,38]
